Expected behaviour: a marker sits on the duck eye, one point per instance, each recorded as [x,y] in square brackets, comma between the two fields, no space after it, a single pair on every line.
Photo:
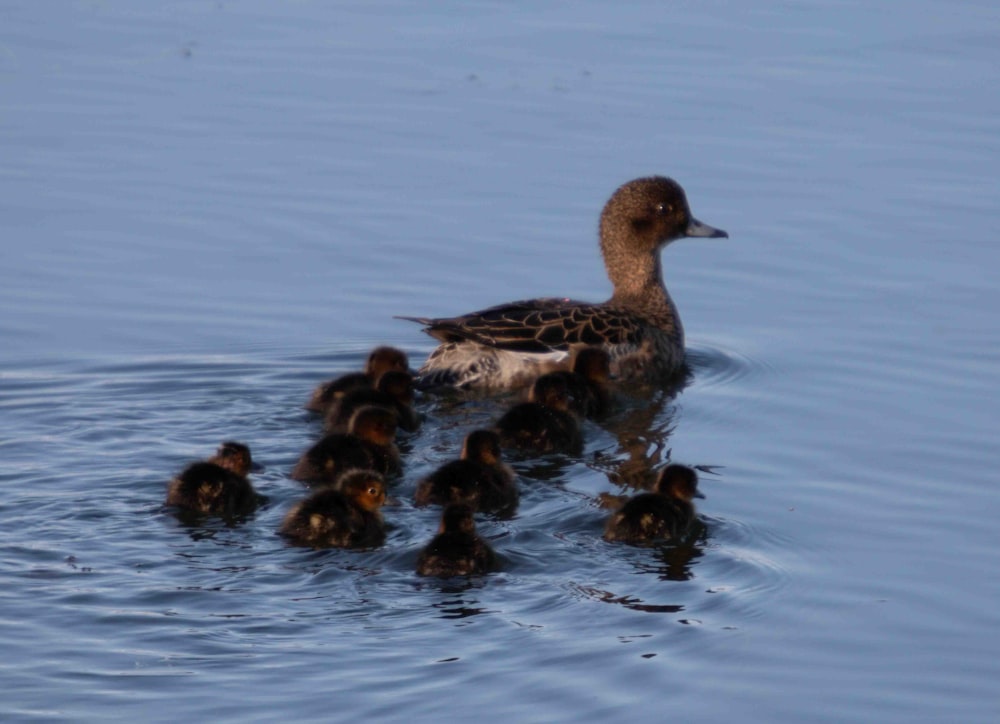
[664,209]
[373,491]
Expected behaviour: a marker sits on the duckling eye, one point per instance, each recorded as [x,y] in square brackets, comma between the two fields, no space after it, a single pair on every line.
[664,209]
[373,491]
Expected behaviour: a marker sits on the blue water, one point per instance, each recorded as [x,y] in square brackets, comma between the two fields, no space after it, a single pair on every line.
[207,208]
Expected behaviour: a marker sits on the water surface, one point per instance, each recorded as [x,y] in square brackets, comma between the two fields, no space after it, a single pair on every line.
[208,208]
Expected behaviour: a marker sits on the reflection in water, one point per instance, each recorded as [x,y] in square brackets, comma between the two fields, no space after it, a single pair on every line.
[642,433]
[673,562]
[630,602]
[458,608]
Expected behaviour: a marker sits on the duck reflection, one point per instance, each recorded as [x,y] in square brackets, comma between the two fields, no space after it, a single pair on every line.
[676,562]
[630,602]
[642,432]
[459,608]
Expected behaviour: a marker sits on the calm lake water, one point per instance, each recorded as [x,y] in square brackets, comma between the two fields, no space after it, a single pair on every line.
[207,208]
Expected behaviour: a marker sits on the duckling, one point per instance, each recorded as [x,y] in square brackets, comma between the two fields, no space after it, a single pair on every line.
[344,516]
[393,390]
[218,485]
[665,513]
[380,360]
[588,382]
[479,478]
[456,550]
[368,444]
[544,423]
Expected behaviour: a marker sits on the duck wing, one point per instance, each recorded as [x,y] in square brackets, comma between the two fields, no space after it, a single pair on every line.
[537,325]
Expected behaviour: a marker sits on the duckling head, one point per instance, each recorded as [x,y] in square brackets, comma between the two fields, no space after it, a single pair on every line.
[374,423]
[365,487]
[678,481]
[398,383]
[482,446]
[382,359]
[457,518]
[234,457]
[594,364]
[551,391]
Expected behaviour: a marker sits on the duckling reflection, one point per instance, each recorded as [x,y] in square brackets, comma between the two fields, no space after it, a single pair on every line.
[663,514]
[218,485]
[479,478]
[544,423]
[344,516]
[456,550]
[380,360]
[368,444]
[393,391]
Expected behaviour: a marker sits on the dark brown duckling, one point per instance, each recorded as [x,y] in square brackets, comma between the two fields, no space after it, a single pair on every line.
[665,513]
[544,423]
[394,391]
[380,360]
[368,444]
[218,485]
[587,382]
[344,516]
[479,478]
[456,550]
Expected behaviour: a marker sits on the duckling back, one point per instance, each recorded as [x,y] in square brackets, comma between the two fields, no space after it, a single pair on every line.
[456,550]
[208,488]
[544,423]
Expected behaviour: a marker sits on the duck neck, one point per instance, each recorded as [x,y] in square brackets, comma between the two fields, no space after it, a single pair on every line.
[638,284]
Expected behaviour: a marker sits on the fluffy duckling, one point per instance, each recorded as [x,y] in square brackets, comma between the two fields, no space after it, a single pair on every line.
[368,444]
[665,513]
[479,478]
[380,361]
[544,423]
[587,381]
[344,516]
[218,485]
[456,550]
[394,390]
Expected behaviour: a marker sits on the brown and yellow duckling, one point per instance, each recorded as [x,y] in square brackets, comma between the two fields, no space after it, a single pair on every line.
[544,423]
[380,360]
[344,516]
[587,381]
[663,514]
[218,485]
[456,550]
[368,444]
[393,390]
[479,478]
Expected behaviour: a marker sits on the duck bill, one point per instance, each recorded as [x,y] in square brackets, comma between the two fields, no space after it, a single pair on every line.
[699,229]
[700,494]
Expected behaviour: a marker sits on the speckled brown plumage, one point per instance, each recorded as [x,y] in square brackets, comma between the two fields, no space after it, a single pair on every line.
[508,344]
